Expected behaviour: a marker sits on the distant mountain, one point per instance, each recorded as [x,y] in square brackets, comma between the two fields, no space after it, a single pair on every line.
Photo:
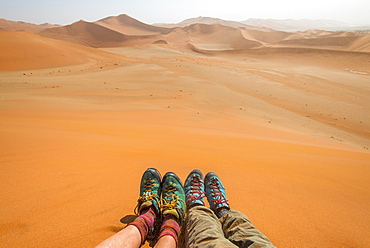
[290,25]
[127,25]
[204,20]
[12,25]
[210,20]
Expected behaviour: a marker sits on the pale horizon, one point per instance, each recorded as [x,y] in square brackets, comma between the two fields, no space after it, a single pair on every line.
[164,11]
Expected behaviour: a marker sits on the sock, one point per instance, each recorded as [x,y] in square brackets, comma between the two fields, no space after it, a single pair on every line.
[221,211]
[170,227]
[145,222]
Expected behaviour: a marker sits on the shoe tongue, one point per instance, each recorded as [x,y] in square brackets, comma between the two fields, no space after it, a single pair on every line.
[145,204]
[171,211]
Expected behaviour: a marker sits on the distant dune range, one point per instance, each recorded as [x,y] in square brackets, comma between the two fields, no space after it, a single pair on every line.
[209,35]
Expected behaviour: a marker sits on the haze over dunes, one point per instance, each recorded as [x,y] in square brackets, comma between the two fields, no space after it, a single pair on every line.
[282,117]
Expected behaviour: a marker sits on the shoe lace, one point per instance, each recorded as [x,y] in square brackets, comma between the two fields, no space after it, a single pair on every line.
[195,184]
[147,194]
[217,196]
[169,201]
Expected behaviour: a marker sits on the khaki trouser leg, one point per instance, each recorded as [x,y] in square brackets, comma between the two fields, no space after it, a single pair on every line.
[203,229]
[240,231]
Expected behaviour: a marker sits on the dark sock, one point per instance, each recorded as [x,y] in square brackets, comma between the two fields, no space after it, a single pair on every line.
[221,211]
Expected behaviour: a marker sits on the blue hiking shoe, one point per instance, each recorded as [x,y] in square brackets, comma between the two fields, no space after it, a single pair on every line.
[194,189]
[173,197]
[216,194]
[150,190]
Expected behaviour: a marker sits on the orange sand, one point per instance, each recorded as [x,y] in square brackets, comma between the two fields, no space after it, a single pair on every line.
[287,131]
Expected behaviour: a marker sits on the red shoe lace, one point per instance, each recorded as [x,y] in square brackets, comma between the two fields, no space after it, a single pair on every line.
[217,196]
[195,187]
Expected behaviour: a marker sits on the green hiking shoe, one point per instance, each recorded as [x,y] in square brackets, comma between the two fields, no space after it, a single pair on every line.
[173,197]
[150,190]
[216,194]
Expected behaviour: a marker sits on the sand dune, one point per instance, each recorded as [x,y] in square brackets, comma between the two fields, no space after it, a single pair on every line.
[23,50]
[282,117]
[129,26]
[95,35]
[211,37]
[86,33]
[11,25]
[210,21]
[123,30]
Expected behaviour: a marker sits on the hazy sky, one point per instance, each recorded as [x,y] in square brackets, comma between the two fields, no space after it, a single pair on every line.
[173,11]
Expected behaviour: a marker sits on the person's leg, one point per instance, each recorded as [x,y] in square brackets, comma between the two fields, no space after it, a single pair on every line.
[236,226]
[128,237]
[173,210]
[202,227]
[136,233]
[239,230]
[166,242]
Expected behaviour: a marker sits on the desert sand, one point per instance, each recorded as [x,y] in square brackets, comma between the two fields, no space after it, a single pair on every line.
[282,118]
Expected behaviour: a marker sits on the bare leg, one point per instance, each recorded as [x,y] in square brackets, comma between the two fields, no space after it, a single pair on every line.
[166,241]
[129,237]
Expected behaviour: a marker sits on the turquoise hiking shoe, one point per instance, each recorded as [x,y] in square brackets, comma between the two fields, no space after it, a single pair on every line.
[194,189]
[173,197]
[216,194]
[150,190]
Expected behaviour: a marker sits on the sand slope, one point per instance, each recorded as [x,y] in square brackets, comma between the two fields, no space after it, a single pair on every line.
[23,50]
[123,30]
[127,25]
[95,35]
[11,25]
[74,144]
[281,117]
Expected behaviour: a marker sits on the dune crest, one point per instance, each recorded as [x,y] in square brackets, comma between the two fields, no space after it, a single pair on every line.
[129,26]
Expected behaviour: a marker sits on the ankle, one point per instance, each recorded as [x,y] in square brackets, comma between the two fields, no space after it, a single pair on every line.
[195,205]
[170,227]
[221,211]
[145,222]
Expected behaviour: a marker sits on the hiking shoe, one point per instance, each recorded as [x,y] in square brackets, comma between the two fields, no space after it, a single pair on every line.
[216,194]
[150,190]
[173,197]
[194,189]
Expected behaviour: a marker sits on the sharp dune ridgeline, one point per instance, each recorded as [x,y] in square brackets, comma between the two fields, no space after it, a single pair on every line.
[279,109]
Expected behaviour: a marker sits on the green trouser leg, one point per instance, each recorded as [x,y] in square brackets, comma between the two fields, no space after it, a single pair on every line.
[204,229]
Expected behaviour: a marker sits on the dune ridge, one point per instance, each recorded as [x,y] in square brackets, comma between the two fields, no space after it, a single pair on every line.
[206,36]
[204,33]
[129,26]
